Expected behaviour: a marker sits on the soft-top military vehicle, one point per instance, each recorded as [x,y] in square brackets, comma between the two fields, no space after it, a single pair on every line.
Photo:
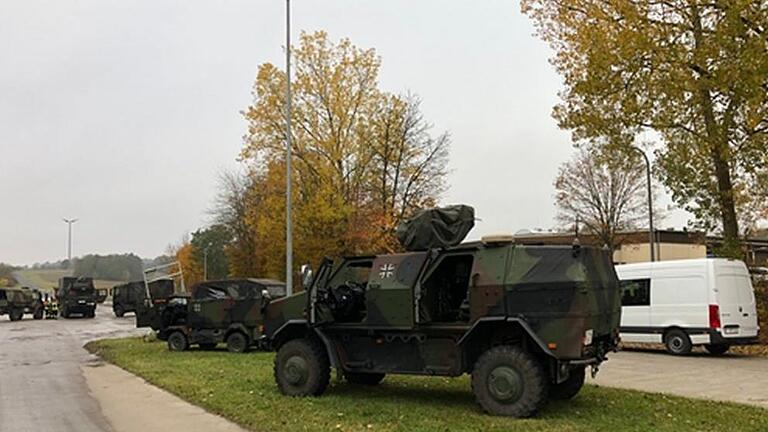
[524,321]
[76,295]
[128,297]
[17,301]
[228,310]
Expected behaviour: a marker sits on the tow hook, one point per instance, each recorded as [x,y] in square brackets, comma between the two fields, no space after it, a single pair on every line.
[594,370]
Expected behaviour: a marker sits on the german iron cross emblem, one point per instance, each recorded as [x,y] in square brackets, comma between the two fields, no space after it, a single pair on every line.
[386,271]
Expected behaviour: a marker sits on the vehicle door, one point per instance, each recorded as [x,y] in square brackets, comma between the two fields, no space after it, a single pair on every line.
[389,295]
[736,300]
[635,302]
[210,307]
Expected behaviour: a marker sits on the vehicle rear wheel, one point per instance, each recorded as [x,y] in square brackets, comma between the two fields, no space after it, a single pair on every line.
[177,341]
[717,349]
[38,315]
[119,310]
[16,314]
[678,342]
[237,342]
[369,379]
[570,387]
[64,312]
[302,368]
[509,381]
[207,346]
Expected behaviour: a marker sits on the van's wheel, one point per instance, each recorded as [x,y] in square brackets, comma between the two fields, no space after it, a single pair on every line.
[177,341]
[119,310]
[678,342]
[16,314]
[302,368]
[369,379]
[237,342]
[570,387]
[717,349]
[509,381]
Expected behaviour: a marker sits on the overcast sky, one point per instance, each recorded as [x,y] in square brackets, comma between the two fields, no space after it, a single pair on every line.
[121,113]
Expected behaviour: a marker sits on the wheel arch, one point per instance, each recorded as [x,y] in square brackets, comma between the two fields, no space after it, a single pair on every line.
[297,329]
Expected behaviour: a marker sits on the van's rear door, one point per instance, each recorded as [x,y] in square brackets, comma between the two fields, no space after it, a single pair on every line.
[736,299]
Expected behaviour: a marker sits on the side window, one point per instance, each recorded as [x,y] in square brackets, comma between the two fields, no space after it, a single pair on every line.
[636,292]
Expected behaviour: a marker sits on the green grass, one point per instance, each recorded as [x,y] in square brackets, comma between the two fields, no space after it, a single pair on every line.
[49,278]
[241,388]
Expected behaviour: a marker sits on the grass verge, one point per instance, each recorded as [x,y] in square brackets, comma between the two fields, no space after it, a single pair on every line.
[241,388]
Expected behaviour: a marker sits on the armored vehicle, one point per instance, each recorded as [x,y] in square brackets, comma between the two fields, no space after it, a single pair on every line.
[17,301]
[228,310]
[524,321]
[76,295]
[128,297]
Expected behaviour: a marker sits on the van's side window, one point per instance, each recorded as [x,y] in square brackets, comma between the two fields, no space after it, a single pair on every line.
[636,292]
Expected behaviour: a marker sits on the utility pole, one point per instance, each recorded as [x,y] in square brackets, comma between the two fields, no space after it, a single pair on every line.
[69,223]
[651,242]
[288,196]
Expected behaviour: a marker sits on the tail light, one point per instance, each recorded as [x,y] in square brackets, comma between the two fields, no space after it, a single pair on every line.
[714,316]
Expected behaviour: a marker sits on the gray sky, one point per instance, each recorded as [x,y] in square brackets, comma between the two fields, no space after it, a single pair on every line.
[121,113]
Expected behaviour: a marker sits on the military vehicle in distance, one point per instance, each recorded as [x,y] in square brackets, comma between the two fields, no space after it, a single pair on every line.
[128,297]
[524,321]
[76,295]
[228,310]
[17,301]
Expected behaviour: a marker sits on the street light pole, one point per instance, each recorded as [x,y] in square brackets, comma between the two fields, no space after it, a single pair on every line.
[69,223]
[651,241]
[288,196]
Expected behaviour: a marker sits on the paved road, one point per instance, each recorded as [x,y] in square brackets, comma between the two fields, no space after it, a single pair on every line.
[41,382]
[728,378]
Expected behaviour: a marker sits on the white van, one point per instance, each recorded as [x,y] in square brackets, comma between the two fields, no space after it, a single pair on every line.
[707,301]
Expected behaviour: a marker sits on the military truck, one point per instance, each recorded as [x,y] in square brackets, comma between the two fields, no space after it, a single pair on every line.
[17,301]
[76,295]
[128,297]
[524,321]
[228,311]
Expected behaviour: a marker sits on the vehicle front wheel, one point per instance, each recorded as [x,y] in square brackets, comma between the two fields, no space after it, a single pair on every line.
[119,311]
[302,368]
[237,342]
[16,314]
[717,349]
[570,387]
[678,342]
[38,315]
[177,341]
[369,379]
[509,381]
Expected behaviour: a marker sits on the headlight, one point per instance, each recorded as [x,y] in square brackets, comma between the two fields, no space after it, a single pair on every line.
[588,337]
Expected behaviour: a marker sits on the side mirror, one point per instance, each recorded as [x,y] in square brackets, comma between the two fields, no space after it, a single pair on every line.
[306,276]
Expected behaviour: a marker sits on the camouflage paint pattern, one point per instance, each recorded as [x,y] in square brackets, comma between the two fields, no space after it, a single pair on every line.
[24,300]
[76,294]
[557,293]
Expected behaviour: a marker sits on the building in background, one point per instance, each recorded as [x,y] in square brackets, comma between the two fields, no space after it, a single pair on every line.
[669,244]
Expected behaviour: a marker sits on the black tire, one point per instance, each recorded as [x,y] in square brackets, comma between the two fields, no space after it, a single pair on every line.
[570,387]
[208,346]
[91,313]
[64,312]
[38,315]
[16,314]
[237,342]
[369,379]
[717,349]
[119,310]
[678,342]
[177,341]
[509,381]
[302,368]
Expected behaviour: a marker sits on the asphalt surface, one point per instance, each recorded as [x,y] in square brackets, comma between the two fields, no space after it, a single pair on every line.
[41,382]
[731,378]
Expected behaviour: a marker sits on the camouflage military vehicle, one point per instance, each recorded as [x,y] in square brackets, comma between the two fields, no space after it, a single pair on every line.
[524,321]
[228,310]
[17,301]
[128,297]
[76,295]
